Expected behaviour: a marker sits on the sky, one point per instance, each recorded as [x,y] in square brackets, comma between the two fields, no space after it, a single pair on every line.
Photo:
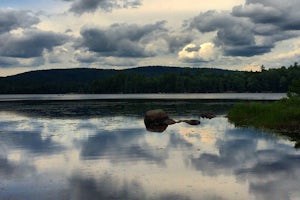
[231,34]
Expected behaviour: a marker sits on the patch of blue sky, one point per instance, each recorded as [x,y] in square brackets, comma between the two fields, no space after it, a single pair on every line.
[46,5]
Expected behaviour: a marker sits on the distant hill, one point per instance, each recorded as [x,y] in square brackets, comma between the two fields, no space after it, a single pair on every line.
[66,75]
[88,74]
[149,79]
[158,70]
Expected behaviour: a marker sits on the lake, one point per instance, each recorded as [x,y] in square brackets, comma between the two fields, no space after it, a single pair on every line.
[212,96]
[100,149]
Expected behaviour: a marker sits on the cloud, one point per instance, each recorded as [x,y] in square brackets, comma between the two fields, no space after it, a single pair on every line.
[192,53]
[247,51]
[31,44]
[283,15]
[82,6]
[234,35]
[131,40]
[85,57]
[6,62]
[258,13]
[14,19]
[250,29]
[120,62]
[211,21]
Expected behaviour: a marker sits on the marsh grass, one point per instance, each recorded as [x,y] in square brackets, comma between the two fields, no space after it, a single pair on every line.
[280,116]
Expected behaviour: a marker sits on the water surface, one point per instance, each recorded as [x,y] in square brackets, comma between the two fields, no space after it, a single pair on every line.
[213,96]
[101,150]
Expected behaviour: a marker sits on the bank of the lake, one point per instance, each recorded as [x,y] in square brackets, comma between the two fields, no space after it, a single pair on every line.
[281,116]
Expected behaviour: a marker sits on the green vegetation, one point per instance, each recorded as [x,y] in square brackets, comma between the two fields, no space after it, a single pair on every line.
[153,79]
[282,117]
[294,89]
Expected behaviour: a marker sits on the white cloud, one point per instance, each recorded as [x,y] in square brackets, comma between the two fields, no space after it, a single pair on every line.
[192,53]
[255,33]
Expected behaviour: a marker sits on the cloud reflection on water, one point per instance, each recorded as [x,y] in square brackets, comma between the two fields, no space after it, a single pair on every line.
[122,145]
[272,173]
[115,157]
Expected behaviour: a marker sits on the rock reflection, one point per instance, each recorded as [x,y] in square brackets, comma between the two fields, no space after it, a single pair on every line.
[157,128]
[158,121]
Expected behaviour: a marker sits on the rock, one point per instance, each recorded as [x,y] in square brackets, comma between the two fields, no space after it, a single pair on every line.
[169,121]
[157,120]
[156,115]
[192,122]
[207,115]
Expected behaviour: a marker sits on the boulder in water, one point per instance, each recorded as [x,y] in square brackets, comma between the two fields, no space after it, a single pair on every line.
[157,120]
[207,115]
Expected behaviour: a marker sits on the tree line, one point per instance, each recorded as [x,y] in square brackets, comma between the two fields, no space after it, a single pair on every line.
[272,80]
[182,81]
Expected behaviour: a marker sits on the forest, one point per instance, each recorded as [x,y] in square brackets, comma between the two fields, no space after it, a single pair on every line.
[154,79]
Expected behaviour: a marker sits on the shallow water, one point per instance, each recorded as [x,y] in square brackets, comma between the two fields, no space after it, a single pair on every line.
[101,150]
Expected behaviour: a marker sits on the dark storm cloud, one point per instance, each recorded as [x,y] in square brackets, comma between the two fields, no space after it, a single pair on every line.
[284,15]
[13,19]
[31,44]
[258,13]
[247,51]
[237,32]
[130,40]
[86,59]
[235,35]
[8,62]
[212,20]
[82,6]
[176,42]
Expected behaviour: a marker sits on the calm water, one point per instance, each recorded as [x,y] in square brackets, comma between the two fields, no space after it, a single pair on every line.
[213,96]
[101,150]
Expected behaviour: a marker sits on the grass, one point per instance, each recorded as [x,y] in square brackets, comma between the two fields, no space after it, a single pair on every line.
[282,116]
